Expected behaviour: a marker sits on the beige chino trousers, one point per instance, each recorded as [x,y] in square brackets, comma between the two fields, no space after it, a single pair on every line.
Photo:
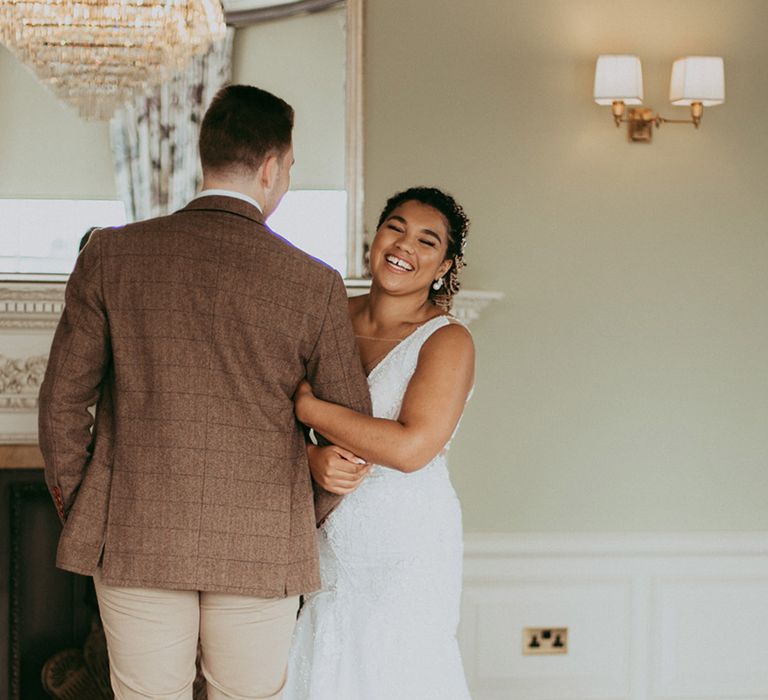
[152,639]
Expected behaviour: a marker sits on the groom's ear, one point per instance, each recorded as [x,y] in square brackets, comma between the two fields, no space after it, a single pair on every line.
[268,171]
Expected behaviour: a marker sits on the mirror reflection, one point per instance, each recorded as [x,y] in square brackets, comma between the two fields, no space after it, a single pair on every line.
[146,154]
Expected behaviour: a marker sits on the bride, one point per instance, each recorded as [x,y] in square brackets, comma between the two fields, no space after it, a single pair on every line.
[383,626]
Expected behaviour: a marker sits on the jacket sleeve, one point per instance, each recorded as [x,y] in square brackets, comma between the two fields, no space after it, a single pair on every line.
[78,361]
[336,374]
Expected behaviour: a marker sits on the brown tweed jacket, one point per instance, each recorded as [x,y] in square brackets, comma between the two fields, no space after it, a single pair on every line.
[190,333]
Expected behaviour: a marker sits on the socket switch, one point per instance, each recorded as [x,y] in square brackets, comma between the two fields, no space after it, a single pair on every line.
[545,640]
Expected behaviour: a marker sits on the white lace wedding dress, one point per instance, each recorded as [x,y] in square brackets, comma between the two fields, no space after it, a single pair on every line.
[383,626]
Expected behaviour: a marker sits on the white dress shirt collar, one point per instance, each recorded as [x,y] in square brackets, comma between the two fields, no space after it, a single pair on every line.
[229,193]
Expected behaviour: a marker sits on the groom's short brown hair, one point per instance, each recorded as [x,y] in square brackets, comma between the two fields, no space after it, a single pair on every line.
[242,126]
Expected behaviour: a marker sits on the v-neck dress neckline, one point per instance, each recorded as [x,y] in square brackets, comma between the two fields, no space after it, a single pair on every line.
[401,343]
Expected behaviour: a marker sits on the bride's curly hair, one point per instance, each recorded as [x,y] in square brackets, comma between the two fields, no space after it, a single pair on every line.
[458,226]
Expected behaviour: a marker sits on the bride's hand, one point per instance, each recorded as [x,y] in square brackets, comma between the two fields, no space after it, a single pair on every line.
[302,400]
[335,469]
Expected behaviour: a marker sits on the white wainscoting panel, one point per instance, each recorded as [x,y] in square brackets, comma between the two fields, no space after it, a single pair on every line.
[711,636]
[660,616]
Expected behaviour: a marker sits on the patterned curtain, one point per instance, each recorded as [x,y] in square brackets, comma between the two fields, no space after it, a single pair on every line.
[154,137]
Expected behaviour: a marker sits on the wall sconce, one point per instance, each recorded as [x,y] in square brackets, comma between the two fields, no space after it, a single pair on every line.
[697,81]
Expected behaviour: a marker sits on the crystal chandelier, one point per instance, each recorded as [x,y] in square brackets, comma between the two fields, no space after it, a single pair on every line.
[96,54]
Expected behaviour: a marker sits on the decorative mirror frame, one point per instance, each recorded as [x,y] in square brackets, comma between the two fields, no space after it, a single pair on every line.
[353,136]
[354,141]
[30,305]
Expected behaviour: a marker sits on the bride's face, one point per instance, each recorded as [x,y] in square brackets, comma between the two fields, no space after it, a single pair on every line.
[408,252]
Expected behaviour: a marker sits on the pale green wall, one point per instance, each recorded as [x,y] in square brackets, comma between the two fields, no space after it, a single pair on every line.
[623,381]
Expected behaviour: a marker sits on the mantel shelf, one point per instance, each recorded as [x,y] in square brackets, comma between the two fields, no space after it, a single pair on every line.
[29,312]
[38,305]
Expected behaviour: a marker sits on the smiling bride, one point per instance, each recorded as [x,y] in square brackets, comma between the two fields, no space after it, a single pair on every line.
[383,627]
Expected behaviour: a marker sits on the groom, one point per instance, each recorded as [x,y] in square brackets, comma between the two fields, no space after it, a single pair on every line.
[188,498]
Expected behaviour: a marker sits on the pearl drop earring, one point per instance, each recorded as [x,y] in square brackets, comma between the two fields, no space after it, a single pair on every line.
[437,284]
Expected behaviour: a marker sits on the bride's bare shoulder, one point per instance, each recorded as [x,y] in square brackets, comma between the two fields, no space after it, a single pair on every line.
[446,364]
[451,343]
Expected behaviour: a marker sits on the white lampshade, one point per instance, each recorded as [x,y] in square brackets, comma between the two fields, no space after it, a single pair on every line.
[697,79]
[618,78]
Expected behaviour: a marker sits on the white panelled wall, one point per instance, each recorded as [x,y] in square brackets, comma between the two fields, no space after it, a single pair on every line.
[655,616]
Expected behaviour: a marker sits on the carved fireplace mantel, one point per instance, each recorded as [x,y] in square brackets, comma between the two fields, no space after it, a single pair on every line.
[29,312]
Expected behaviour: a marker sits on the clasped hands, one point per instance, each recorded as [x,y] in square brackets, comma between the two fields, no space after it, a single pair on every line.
[335,469]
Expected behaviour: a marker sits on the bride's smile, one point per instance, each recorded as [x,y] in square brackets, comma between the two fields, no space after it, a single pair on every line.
[398,263]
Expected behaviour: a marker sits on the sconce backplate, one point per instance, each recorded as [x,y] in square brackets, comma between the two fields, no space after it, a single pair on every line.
[640,123]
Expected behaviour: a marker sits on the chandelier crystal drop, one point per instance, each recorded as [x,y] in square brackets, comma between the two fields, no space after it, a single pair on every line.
[97,54]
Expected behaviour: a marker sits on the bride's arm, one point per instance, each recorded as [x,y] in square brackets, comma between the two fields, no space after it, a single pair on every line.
[431,408]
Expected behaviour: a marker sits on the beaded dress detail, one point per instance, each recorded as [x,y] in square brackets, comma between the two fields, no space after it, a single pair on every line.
[383,626]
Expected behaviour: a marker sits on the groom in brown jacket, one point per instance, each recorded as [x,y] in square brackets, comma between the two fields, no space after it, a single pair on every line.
[189,498]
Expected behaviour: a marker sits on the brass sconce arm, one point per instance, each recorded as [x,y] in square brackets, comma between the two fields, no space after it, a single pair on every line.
[697,111]
[641,120]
